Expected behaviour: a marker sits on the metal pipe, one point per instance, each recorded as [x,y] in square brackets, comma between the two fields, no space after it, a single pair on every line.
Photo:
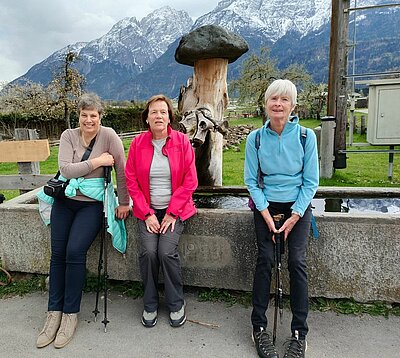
[370,7]
[373,74]
[390,151]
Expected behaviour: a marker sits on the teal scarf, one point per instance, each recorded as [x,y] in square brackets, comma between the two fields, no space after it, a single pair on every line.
[92,188]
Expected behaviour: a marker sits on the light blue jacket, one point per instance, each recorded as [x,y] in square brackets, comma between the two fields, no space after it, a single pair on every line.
[291,173]
[92,188]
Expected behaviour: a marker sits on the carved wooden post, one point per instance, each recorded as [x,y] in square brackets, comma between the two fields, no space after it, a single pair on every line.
[203,101]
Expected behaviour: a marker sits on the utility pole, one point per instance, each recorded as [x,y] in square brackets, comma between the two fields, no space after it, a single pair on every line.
[337,84]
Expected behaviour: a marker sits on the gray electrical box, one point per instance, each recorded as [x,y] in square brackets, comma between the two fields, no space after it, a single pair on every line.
[384,112]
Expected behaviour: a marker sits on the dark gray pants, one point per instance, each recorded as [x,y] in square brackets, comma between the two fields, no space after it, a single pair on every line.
[161,250]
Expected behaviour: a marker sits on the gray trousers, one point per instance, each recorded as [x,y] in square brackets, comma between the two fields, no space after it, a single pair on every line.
[161,250]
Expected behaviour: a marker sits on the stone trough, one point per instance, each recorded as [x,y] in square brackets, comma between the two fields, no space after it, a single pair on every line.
[357,255]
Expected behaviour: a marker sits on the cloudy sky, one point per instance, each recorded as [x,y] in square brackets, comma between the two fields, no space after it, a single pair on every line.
[31,30]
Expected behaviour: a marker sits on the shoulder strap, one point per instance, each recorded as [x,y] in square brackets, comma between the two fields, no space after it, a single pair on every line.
[84,157]
[260,174]
[88,150]
[258,139]
[303,136]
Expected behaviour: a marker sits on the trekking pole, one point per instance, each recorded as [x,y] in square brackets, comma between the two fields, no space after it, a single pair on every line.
[278,251]
[107,180]
[102,240]
[99,269]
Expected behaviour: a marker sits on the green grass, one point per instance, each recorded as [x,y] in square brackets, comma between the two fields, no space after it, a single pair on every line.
[253,121]
[340,306]
[21,284]
[233,164]
[132,289]
[350,306]
[230,297]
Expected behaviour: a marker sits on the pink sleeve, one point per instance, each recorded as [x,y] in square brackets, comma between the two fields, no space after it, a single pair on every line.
[141,206]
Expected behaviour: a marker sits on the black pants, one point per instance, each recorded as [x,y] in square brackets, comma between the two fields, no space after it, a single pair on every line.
[74,226]
[297,245]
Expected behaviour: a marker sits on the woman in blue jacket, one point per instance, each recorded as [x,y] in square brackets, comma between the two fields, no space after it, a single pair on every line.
[290,178]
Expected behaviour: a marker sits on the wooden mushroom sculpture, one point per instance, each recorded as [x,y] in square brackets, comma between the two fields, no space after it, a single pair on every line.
[203,101]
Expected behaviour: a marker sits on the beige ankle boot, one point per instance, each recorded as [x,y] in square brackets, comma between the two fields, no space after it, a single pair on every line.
[49,331]
[66,331]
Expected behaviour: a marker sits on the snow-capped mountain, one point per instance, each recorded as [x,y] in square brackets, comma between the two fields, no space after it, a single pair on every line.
[273,18]
[134,43]
[126,50]
[135,59]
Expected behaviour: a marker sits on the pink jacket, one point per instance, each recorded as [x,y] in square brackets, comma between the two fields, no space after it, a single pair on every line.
[183,174]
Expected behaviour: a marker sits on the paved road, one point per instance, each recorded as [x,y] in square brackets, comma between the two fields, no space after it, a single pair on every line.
[331,335]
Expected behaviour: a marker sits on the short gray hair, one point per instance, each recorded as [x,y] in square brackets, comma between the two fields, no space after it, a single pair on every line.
[282,87]
[90,101]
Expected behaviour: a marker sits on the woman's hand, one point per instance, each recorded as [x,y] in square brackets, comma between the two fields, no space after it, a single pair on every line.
[104,160]
[152,224]
[288,225]
[122,211]
[166,222]
[269,221]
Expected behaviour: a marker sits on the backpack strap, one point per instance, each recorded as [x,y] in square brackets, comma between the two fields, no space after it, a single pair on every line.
[260,174]
[303,136]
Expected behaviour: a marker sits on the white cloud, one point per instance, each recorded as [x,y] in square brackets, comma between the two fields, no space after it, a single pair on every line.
[32,30]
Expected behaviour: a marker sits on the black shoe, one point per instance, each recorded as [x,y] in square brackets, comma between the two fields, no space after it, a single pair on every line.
[296,348]
[264,345]
[149,319]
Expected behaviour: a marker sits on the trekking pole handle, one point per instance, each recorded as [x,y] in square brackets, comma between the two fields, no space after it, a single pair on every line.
[107,174]
[278,221]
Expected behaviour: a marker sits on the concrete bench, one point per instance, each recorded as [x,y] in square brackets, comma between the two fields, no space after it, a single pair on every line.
[357,255]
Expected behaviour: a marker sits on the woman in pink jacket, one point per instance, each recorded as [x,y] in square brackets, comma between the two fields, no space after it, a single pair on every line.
[161,178]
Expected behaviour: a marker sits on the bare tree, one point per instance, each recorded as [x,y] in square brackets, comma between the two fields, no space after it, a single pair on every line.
[68,83]
[259,71]
[256,75]
[313,100]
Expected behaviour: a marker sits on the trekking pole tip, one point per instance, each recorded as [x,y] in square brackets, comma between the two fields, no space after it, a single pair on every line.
[95,312]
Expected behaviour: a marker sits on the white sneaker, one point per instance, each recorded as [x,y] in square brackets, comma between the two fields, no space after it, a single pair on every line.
[149,319]
[178,318]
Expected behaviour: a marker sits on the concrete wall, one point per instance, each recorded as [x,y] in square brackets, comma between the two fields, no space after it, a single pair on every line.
[356,255]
